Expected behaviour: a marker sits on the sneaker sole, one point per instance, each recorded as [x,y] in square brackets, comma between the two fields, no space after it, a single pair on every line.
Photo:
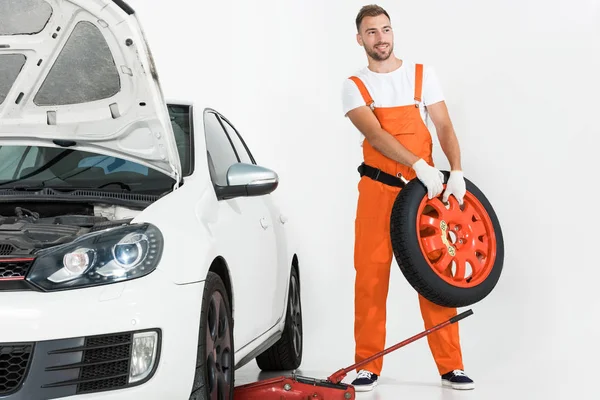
[364,388]
[459,386]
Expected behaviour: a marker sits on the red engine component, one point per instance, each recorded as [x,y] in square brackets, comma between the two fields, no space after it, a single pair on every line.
[302,388]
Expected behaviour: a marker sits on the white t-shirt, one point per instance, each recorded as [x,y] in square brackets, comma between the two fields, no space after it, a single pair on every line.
[393,89]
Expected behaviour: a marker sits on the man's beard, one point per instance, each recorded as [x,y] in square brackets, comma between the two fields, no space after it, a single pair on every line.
[377,56]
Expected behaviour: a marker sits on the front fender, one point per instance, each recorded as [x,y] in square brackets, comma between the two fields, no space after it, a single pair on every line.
[182,217]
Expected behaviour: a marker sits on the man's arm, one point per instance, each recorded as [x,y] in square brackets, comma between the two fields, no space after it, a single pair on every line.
[456,184]
[382,141]
[446,134]
[366,122]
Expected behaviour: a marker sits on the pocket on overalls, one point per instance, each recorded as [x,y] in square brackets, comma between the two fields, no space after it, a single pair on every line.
[402,127]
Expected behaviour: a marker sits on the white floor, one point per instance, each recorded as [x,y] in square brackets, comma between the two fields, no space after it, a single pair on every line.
[390,387]
[513,383]
[516,345]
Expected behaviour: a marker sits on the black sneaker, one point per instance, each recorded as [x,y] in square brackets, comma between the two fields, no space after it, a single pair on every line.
[365,381]
[457,379]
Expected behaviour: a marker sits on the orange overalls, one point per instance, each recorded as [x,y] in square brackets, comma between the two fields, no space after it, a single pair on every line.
[373,250]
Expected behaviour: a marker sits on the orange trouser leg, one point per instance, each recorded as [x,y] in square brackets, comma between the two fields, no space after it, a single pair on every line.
[444,343]
[372,263]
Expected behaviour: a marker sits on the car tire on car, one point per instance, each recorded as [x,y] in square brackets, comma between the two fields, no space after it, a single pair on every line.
[215,359]
[286,353]
[451,255]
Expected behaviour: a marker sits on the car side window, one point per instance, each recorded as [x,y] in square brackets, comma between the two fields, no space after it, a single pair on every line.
[181,123]
[238,143]
[221,155]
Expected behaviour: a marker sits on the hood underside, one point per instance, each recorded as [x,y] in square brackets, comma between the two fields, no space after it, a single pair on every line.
[79,74]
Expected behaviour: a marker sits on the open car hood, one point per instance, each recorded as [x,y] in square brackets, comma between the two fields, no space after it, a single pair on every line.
[79,73]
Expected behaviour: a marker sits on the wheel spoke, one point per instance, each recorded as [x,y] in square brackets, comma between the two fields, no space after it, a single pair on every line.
[481,247]
[438,206]
[223,326]
[444,262]
[297,341]
[210,327]
[433,243]
[224,387]
[453,205]
[461,268]
[478,229]
[476,264]
[427,221]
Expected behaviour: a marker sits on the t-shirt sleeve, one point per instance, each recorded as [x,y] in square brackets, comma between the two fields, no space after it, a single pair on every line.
[432,89]
[351,97]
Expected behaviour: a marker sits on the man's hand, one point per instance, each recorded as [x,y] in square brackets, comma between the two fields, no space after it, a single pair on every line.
[432,178]
[456,186]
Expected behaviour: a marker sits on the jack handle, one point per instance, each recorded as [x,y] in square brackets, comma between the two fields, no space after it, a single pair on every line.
[338,376]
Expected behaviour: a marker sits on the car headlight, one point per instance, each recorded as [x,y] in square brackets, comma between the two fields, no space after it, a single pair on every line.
[99,258]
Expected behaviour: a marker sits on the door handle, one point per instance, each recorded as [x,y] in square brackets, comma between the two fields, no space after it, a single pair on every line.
[264,223]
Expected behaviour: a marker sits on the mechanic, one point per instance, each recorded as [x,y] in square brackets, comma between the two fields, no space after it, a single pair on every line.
[389,102]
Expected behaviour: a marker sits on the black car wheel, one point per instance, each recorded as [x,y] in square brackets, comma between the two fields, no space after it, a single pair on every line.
[286,353]
[214,378]
[451,255]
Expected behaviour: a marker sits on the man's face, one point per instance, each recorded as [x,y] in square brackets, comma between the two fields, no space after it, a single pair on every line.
[377,37]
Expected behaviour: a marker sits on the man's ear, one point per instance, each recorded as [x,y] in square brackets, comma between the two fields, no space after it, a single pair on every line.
[359,39]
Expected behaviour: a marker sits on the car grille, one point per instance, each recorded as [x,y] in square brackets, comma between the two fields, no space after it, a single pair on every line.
[13,271]
[104,364]
[14,268]
[14,361]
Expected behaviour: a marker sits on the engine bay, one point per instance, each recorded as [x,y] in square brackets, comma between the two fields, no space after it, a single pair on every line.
[28,228]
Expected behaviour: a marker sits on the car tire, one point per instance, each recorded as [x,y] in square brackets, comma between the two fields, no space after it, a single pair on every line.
[215,355]
[286,353]
[432,242]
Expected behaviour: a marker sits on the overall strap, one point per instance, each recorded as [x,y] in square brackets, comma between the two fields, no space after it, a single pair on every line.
[418,83]
[363,91]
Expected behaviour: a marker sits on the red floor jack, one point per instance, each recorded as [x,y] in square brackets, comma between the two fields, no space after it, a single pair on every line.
[303,388]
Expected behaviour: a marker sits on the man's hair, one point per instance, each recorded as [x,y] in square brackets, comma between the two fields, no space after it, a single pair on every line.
[371,10]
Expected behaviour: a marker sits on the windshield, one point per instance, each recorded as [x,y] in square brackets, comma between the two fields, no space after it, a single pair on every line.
[37,167]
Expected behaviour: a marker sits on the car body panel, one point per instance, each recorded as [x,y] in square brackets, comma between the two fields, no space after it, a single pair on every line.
[110,100]
[130,306]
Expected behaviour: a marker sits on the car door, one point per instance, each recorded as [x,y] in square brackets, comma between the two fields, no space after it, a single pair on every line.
[244,235]
[279,270]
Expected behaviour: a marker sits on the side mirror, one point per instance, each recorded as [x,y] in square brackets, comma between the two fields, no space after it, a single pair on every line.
[248,180]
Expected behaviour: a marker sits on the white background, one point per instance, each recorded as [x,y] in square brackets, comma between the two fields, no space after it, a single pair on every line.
[522,80]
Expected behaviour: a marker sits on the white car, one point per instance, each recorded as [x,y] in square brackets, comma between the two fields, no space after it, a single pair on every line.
[142,255]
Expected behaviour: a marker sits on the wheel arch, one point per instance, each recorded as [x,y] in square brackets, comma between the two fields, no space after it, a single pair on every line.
[219,266]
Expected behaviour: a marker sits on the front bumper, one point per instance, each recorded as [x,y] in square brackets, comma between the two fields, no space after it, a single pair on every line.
[78,343]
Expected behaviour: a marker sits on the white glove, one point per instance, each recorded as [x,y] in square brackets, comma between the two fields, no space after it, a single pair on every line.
[456,186]
[431,177]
